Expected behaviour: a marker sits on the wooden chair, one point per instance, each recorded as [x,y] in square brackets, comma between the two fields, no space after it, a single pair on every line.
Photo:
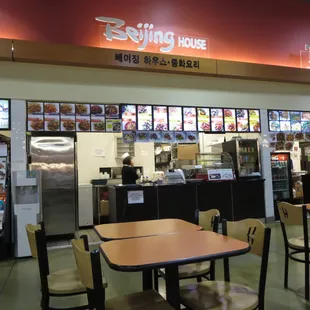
[61,283]
[208,220]
[224,295]
[89,267]
[291,215]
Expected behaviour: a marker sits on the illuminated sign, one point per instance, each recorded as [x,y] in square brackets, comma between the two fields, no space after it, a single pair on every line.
[145,33]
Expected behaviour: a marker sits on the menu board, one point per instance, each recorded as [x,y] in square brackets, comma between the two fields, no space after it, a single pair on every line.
[203,116]
[217,123]
[254,120]
[230,120]
[189,119]
[51,116]
[242,120]
[97,117]
[67,117]
[4,114]
[35,116]
[175,118]
[145,118]
[129,117]
[160,118]
[289,120]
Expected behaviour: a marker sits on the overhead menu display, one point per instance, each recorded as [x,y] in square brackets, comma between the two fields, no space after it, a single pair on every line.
[129,117]
[230,119]
[217,123]
[160,120]
[203,116]
[289,121]
[242,120]
[175,119]
[96,117]
[4,114]
[189,119]
[145,118]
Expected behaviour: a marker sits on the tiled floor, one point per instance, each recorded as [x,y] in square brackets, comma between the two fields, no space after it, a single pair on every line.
[20,287]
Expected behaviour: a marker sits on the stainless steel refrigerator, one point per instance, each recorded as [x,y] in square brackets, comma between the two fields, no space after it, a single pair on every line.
[55,156]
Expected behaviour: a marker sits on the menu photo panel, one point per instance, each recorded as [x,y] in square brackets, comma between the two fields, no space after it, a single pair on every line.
[51,116]
[203,118]
[129,117]
[189,119]
[35,116]
[254,116]
[97,118]
[217,122]
[160,118]
[5,114]
[175,118]
[230,120]
[242,120]
[145,117]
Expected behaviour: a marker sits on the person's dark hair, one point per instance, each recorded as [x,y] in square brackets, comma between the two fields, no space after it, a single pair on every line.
[127,161]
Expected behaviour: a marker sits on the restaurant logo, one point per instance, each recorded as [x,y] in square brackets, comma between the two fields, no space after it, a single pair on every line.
[145,33]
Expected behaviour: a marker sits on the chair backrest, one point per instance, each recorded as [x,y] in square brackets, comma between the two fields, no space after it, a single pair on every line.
[89,268]
[208,219]
[290,214]
[257,235]
[31,229]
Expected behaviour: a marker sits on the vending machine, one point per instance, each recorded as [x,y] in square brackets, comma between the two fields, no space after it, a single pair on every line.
[281,170]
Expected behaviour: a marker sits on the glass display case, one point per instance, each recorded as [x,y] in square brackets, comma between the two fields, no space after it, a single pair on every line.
[211,166]
[245,155]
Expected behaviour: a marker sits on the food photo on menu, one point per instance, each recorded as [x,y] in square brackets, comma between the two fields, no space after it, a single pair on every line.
[254,120]
[180,137]
[67,109]
[129,136]
[145,119]
[242,120]
[35,116]
[203,116]
[83,123]
[175,118]
[168,137]
[155,136]
[111,111]
[143,136]
[192,137]
[97,110]
[230,119]
[189,119]
[160,118]
[82,109]
[113,125]
[51,118]
[217,123]
[97,124]
[129,117]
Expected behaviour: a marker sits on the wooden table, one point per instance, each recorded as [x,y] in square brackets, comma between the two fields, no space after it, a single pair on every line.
[117,231]
[169,251]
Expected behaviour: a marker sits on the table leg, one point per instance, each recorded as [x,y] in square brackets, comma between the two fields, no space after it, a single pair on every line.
[172,286]
[147,279]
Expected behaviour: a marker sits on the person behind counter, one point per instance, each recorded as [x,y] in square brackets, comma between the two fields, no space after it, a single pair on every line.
[129,175]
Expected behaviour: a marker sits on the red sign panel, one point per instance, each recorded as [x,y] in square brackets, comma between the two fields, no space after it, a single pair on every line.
[271,32]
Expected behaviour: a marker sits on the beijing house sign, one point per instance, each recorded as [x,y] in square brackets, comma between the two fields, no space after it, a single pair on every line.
[144,34]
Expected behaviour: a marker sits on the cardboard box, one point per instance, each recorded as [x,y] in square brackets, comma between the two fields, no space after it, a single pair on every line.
[187,152]
[104,208]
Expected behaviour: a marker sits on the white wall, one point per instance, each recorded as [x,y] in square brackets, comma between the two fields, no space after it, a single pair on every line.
[89,163]
[44,82]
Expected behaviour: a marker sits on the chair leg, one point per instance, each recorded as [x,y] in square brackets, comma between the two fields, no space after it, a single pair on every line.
[45,301]
[307,277]
[286,269]
[199,279]
[155,279]
[212,271]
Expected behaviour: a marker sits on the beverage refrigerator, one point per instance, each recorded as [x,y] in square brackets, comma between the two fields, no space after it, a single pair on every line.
[281,170]
[246,157]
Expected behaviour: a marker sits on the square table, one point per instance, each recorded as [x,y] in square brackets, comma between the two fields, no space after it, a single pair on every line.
[117,231]
[169,251]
